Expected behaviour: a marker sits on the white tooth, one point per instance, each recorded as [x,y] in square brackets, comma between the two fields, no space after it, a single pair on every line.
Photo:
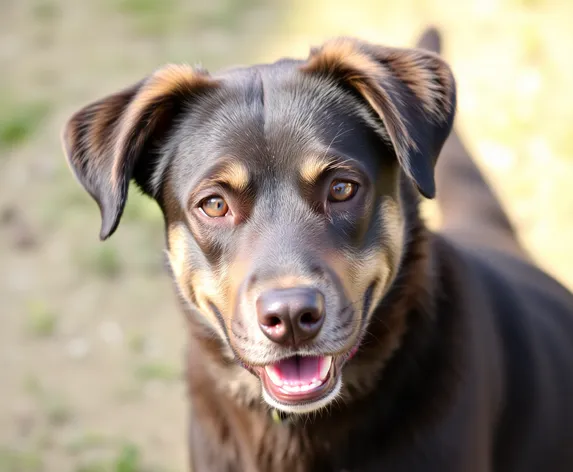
[291,388]
[325,367]
[274,376]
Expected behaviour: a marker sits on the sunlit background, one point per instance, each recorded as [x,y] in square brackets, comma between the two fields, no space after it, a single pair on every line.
[91,341]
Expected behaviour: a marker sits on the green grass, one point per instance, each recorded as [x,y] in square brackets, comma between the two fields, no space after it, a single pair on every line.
[68,199]
[45,10]
[171,17]
[32,385]
[141,209]
[227,14]
[19,122]
[103,260]
[144,7]
[87,442]
[41,321]
[14,460]
[149,17]
[127,458]
[53,405]
[108,454]
[57,409]
[156,371]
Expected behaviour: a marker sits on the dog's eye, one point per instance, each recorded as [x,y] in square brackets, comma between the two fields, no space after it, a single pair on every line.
[341,190]
[214,206]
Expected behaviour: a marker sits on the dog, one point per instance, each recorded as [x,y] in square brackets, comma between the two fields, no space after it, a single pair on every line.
[329,329]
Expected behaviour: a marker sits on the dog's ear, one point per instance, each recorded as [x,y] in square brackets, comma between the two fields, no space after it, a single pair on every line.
[412,92]
[113,140]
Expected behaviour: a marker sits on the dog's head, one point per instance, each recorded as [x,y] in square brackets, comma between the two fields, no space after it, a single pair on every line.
[280,189]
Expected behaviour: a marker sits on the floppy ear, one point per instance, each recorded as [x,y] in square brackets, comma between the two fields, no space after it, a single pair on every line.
[113,140]
[412,92]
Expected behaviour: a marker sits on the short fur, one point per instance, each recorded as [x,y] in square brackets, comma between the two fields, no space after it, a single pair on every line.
[465,348]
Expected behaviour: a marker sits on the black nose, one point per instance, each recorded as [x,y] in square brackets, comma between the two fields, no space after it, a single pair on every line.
[292,315]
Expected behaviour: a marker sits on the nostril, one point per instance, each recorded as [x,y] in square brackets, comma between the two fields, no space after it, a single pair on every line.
[273,321]
[291,316]
[308,318]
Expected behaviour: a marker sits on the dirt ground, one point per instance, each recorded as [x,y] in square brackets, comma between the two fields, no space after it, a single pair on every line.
[91,340]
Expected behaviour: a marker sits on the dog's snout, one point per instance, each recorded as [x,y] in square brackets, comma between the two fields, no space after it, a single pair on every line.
[291,316]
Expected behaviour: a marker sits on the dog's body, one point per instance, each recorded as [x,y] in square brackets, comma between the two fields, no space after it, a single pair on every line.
[446,352]
[487,386]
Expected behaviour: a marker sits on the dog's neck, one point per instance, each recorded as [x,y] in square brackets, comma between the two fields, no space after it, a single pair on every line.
[394,383]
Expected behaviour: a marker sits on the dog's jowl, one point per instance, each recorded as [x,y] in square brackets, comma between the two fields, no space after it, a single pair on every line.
[328,329]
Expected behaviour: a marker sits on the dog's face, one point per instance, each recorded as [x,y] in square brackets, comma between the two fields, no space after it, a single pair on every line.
[280,190]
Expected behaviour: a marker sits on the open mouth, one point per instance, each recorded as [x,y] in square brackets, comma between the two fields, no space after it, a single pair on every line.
[302,384]
[299,379]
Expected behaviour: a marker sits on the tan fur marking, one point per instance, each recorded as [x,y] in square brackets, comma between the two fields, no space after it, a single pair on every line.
[206,289]
[393,228]
[288,281]
[235,175]
[312,168]
[176,253]
[344,58]
[382,75]
[170,79]
[202,283]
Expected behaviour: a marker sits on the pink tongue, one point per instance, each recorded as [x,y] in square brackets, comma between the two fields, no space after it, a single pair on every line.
[298,370]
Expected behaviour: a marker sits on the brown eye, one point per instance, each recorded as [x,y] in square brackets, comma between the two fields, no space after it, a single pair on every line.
[340,191]
[214,207]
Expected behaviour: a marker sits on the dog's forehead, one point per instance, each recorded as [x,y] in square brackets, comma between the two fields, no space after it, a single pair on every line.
[269,118]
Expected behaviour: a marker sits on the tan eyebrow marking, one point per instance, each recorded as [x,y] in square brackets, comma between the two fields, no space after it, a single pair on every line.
[314,166]
[234,174]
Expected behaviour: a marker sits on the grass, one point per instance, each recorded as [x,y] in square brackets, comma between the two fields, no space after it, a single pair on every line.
[144,8]
[14,460]
[148,17]
[126,458]
[19,122]
[41,321]
[68,200]
[156,371]
[54,406]
[141,209]
[45,10]
[102,260]
[169,17]
[57,409]
[227,14]
[87,442]
[32,385]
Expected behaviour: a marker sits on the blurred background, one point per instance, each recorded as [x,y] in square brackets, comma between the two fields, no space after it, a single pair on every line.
[91,341]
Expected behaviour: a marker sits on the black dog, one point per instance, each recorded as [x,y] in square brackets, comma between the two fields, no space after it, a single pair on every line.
[329,330]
